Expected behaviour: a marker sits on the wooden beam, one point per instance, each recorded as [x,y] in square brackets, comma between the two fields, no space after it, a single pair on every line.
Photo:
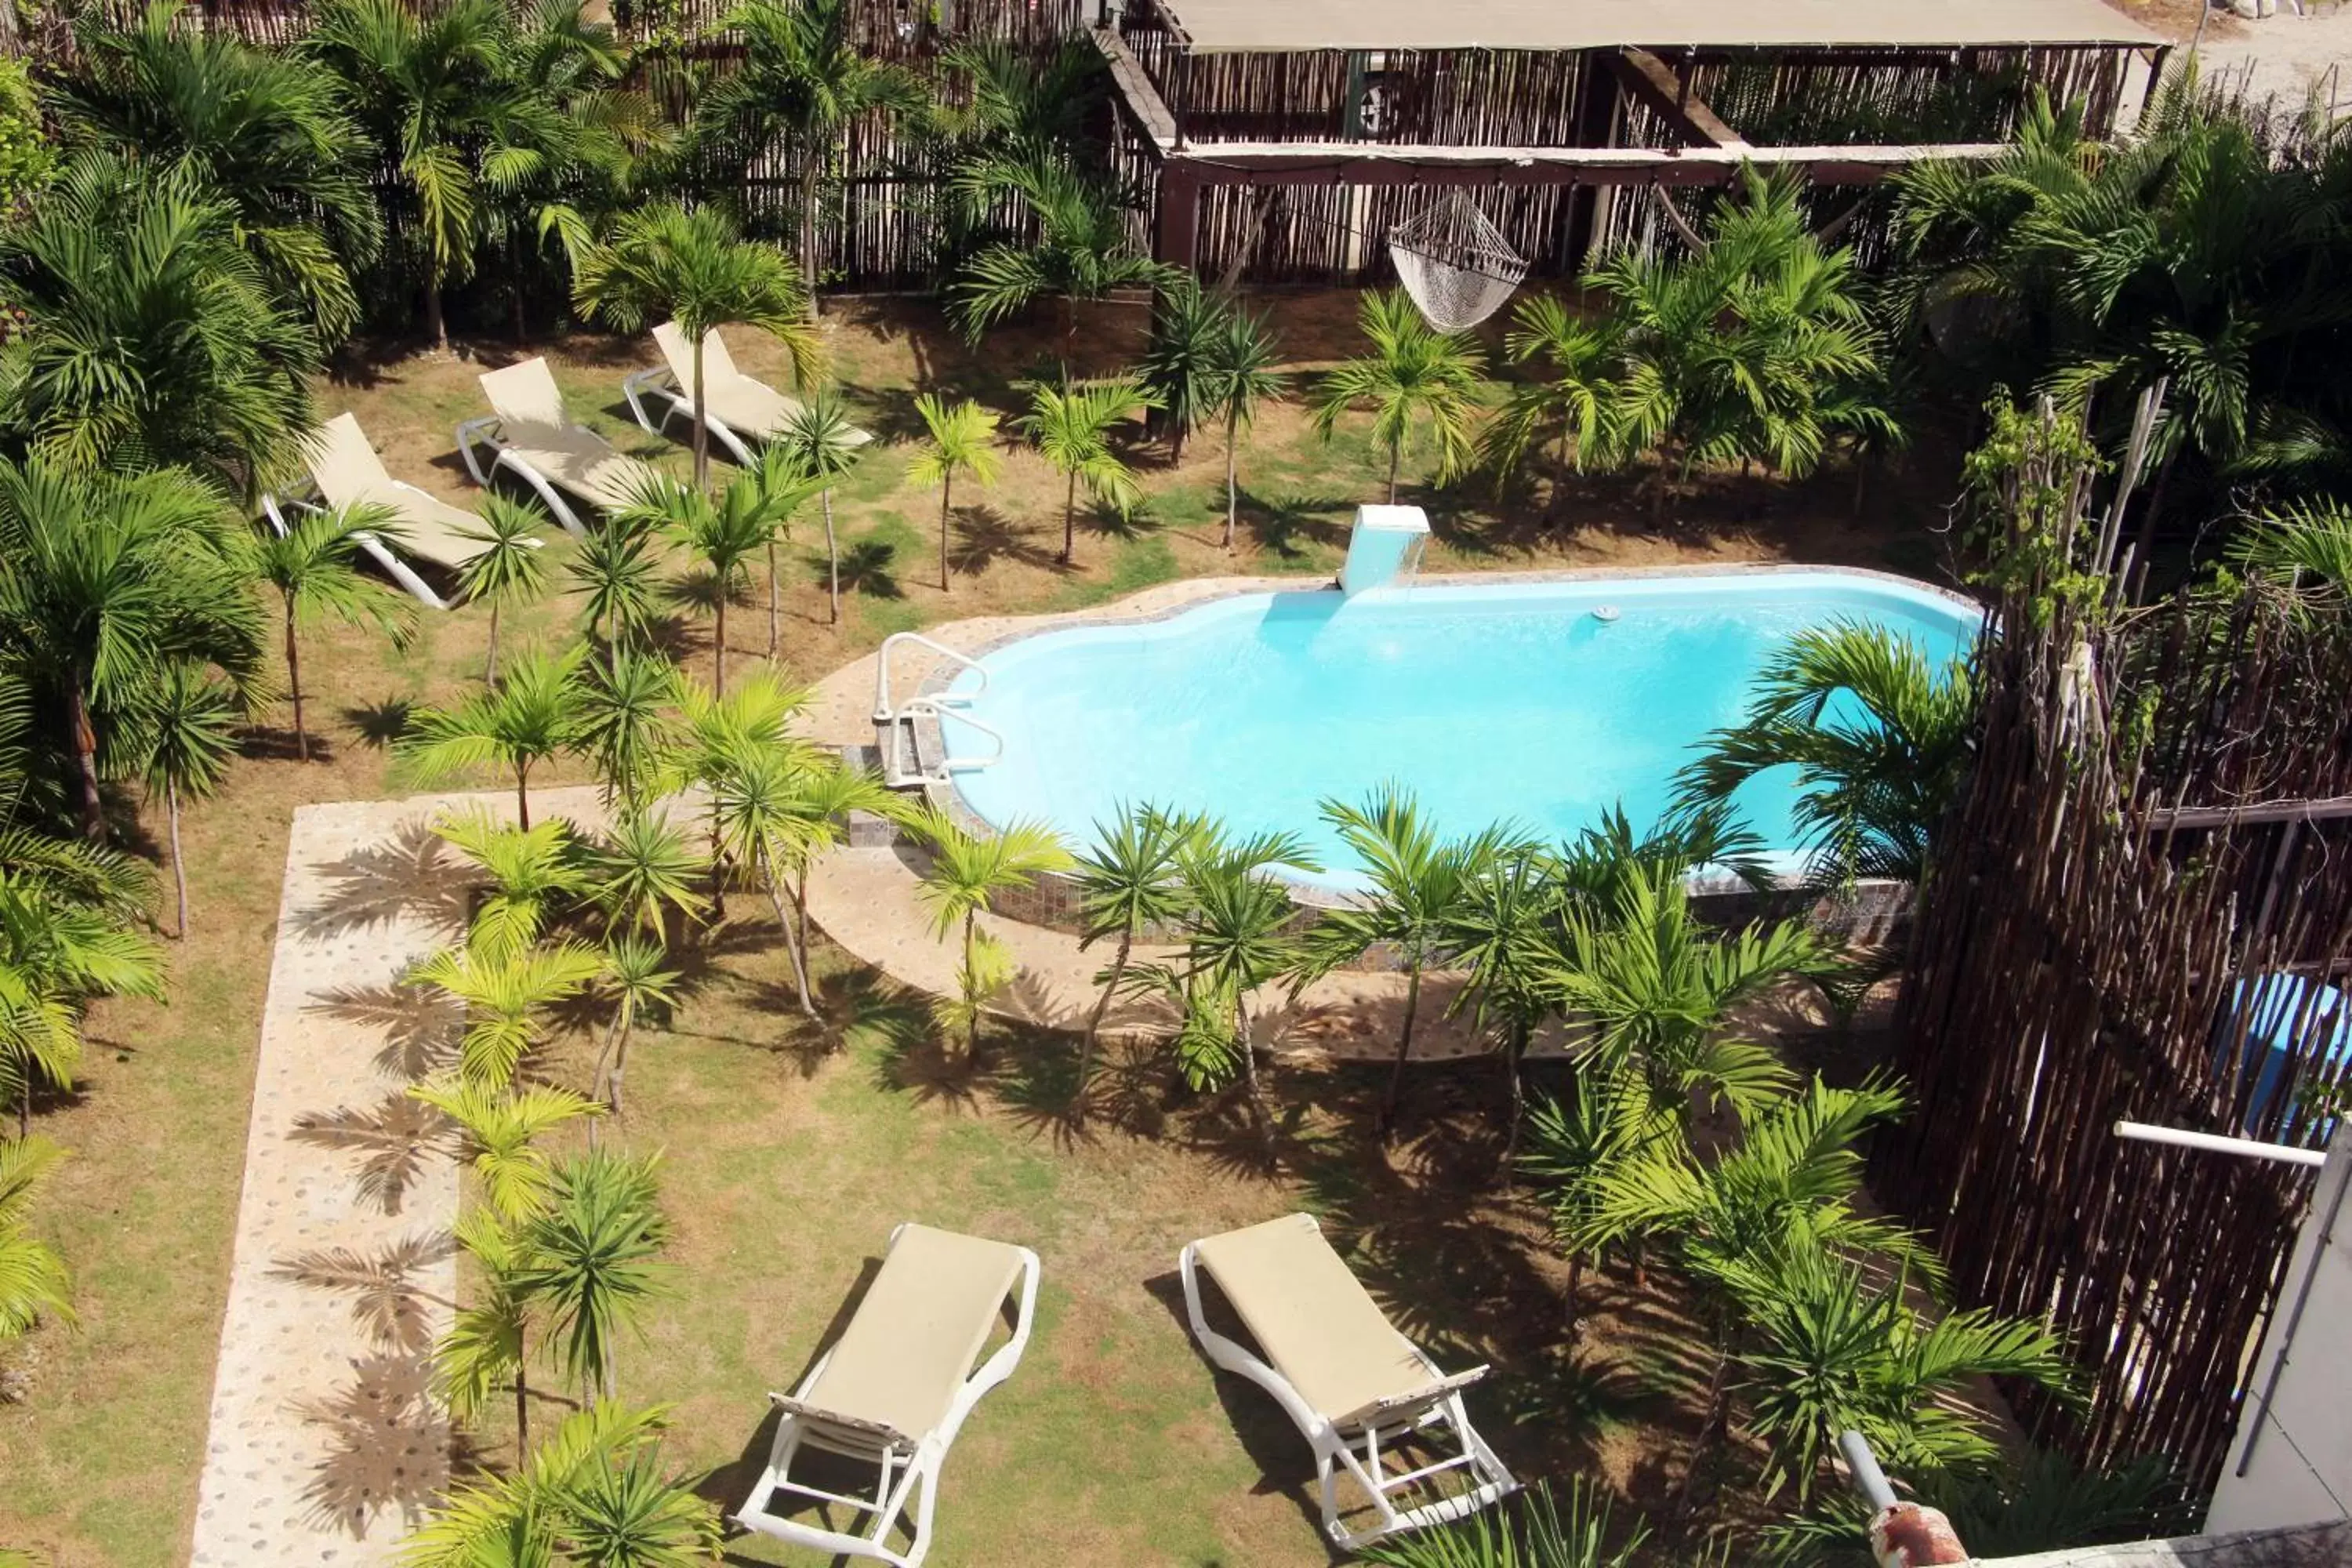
[2328,809]
[1371,163]
[1650,81]
[1135,88]
[1176,238]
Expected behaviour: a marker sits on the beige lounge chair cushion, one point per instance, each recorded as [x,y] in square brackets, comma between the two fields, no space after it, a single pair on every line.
[914,1340]
[744,406]
[533,426]
[1313,1320]
[345,467]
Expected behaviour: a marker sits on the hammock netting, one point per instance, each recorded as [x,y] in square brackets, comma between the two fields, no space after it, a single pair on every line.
[1455,263]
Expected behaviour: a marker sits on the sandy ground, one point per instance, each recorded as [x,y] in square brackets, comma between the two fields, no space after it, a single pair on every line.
[2286,56]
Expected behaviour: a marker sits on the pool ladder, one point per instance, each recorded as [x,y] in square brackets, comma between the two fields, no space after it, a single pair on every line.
[899,728]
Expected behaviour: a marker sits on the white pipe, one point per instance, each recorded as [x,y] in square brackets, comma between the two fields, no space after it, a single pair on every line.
[2213,1142]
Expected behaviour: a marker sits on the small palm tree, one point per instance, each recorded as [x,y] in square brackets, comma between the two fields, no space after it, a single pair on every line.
[694,267]
[1130,881]
[501,1127]
[488,1338]
[509,568]
[1879,737]
[532,717]
[54,955]
[628,726]
[505,995]
[1528,1531]
[759,799]
[1241,380]
[593,1261]
[614,572]
[642,873]
[638,984]
[1568,400]
[829,792]
[966,875]
[819,437]
[753,718]
[191,734]
[1081,250]
[1502,931]
[1186,323]
[1238,936]
[722,533]
[33,1278]
[535,874]
[2303,545]
[313,567]
[1071,426]
[961,440]
[784,486]
[1414,375]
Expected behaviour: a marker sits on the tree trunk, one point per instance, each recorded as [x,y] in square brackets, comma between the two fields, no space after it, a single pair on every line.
[1575,1291]
[620,1068]
[775,637]
[522,1413]
[435,327]
[522,795]
[1232,488]
[1561,468]
[1258,1109]
[1390,1101]
[832,563]
[808,237]
[767,869]
[800,915]
[294,684]
[491,670]
[947,487]
[1716,1383]
[1070,520]
[971,987]
[701,424]
[1094,1024]
[718,641]
[85,741]
[179,863]
[1515,1051]
[1396,457]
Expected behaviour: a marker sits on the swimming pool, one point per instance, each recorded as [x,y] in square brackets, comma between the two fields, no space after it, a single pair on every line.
[1492,701]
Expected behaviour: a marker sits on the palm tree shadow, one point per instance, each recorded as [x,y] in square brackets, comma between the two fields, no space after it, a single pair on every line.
[387,1444]
[388,1305]
[393,1137]
[983,535]
[887,413]
[864,569]
[380,723]
[1102,522]
[413,873]
[1285,524]
[421,1024]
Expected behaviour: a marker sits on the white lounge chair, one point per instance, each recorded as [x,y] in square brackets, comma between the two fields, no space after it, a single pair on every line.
[895,1389]
[529,435]
[1355,1387]
[346,472]
[743,409]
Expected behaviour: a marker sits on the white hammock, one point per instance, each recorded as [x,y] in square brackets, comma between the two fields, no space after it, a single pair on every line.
[1455,263]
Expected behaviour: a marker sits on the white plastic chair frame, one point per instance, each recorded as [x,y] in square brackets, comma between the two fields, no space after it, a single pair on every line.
[275,508]
[907,1468]
[659,385]
[1351,1441]
[484,430]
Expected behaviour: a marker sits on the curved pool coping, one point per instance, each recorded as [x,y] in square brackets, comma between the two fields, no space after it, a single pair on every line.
[1053,900]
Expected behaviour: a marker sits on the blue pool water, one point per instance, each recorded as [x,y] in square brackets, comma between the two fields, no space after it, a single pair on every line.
[1491,701]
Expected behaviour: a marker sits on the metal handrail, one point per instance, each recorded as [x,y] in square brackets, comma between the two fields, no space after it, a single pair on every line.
[932,706]
[884,713]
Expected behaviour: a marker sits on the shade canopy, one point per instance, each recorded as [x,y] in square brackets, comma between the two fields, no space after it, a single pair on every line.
[1281,25]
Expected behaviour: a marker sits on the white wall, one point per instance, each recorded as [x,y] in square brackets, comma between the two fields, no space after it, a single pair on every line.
[2296,1450]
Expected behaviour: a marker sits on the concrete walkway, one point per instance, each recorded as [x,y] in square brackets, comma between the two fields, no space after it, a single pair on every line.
[325,1447]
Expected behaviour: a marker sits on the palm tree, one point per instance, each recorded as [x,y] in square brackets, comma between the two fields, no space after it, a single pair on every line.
[819,438]
[592,1256]
[1568,401]
[502,1126]
[535,875]
[1237,935]
[628,728]
[506,994]
[641,873]
[1241,379]
[1501,931]
[1081,250]
[1071,426]
[801,84]
[1879,737]
[614,572]
[961,439]
[1418,884]
[189,734]
[757,799]
[1415,374]
[968,873]
[532,717]
[694,267]
[830,791]
[162,341]
[33,855]
[424,85]
[55,956]
[1528,1531]
[266,132]
[783,486]
[2304,544]
[1573,1148]
[1186,324]
[313,567]
[509,568]
[635,979]
[103,583]
[723,533]
[32,1274]
[1130,882]
[488,1338]
[753,719]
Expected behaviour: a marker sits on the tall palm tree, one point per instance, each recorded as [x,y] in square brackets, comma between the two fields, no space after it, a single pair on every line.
[722,532]
[593,1261]
[968,872]
[313,568]
[502,1126]
[960,439]
[1131,880]
[162,341]
[637,984]
[697,269]
[55,956]
[1878,734]
[628,726]
[509,568]
[1415,375]
[266,132]
[33,854]
[1418,884]
[1071,426]
[1501,931]
[103,583]
[33,1278]
[1569,399]
[1081,250]
[759,801]
[506,993]
[614,573]
[532,717]
[820,439]
[1237,934]
[1241,379]
[801,84]
[190,734]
